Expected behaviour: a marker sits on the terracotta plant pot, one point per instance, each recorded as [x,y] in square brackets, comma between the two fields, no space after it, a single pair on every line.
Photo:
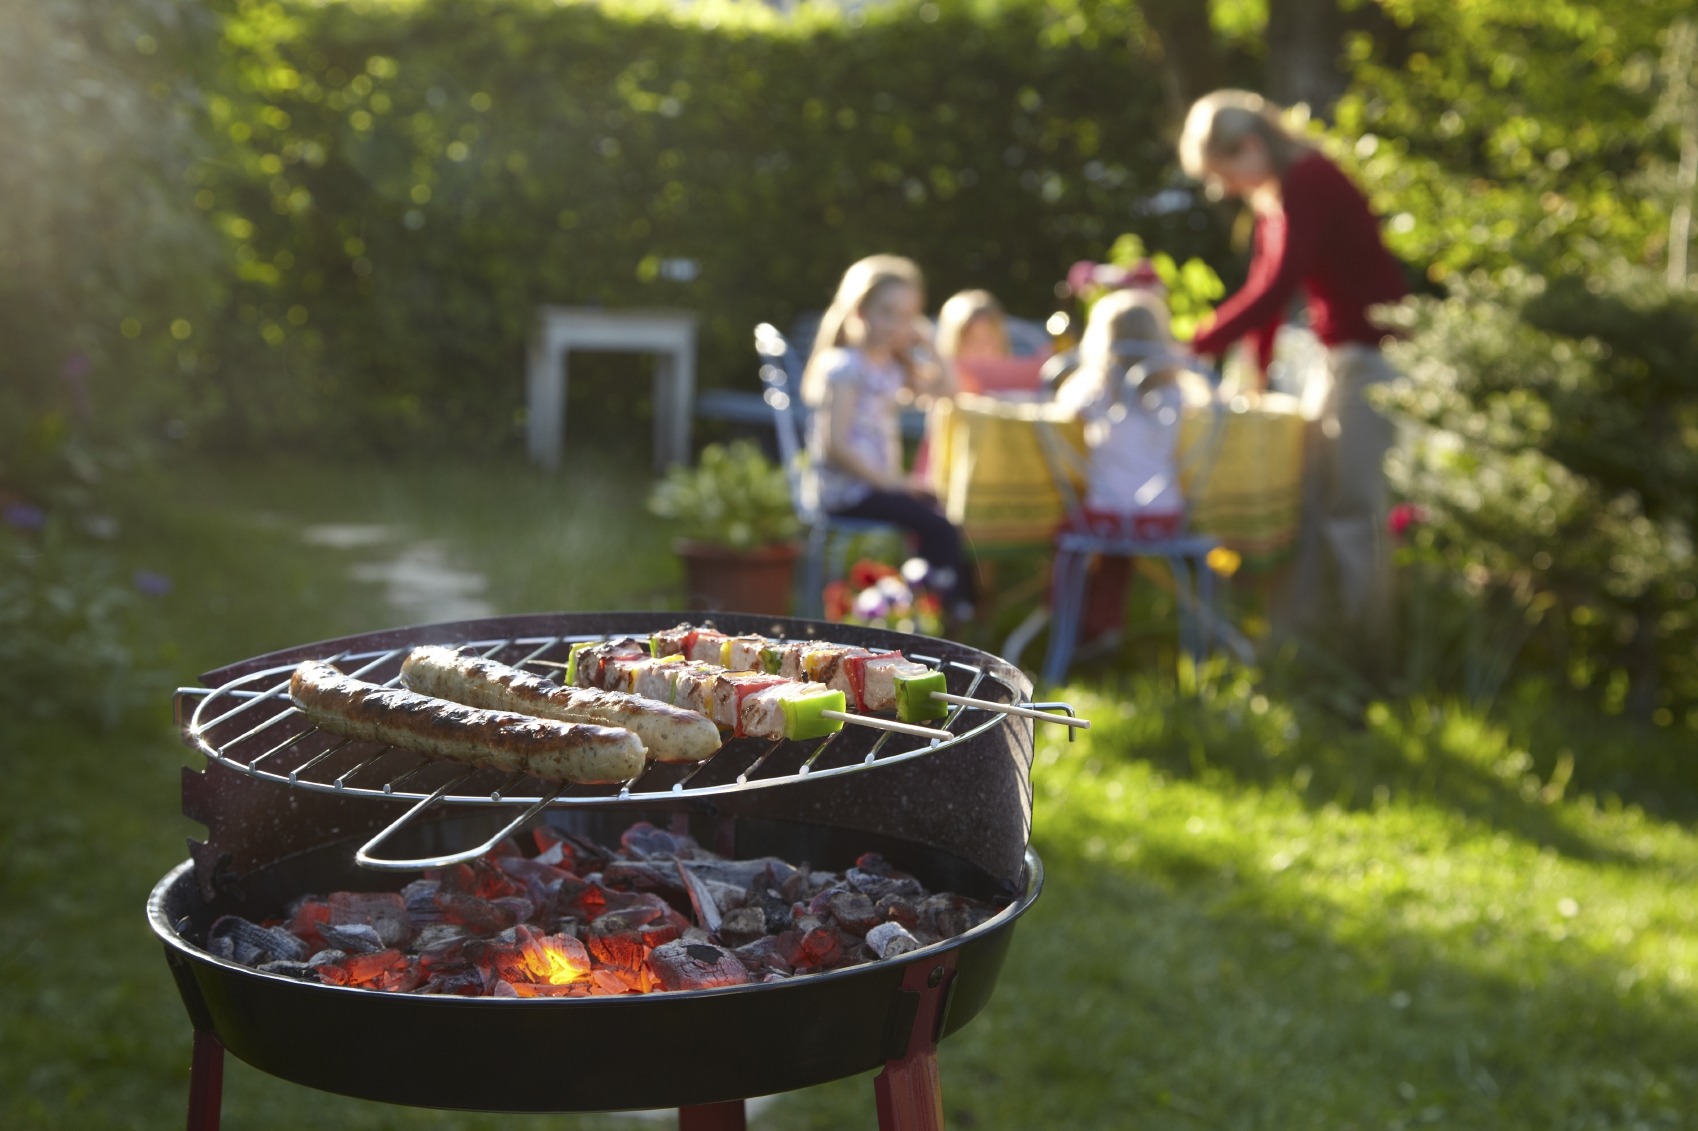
[720,579]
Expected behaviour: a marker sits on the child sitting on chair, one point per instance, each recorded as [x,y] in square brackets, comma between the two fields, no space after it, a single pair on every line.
[1132,432]
[973,345]
[970,328]
[864,364]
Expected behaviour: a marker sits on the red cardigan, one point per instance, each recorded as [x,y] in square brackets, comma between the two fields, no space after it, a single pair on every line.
[1325,240]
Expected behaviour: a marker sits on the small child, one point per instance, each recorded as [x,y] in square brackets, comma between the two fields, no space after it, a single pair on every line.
[1132,432]
[862,367]
[974,346]
[970,327]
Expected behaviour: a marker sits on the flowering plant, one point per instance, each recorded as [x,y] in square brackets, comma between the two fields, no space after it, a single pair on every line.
[1190,288]
[881,596]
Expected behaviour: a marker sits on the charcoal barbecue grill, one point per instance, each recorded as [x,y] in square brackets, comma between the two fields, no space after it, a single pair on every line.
[289,809]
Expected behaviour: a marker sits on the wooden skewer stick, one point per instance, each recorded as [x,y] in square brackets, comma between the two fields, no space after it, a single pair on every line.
[545,664]
[887,724]
[1011,709]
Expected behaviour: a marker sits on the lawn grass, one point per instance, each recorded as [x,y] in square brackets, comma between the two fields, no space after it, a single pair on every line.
[1258,915]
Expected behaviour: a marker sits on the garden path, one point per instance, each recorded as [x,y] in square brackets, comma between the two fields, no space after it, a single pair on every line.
[418,578]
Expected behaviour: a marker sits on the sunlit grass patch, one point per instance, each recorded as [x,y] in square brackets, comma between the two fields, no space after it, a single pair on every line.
[1260,915]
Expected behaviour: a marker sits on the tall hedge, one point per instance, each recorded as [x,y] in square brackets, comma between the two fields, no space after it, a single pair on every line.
[403,183]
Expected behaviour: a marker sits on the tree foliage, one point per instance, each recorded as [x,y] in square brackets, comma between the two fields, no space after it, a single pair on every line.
[97,226]
[1496,133]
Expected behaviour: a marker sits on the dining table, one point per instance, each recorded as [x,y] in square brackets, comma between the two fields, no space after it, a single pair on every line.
[1008,470]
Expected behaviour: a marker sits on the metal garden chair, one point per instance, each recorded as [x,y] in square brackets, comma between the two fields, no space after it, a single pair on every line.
[1185,553]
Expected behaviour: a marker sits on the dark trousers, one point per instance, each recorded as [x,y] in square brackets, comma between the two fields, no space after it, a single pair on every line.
[940,542]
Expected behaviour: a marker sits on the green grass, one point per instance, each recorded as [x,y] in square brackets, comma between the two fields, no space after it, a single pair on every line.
[1261,918]
[1258,915]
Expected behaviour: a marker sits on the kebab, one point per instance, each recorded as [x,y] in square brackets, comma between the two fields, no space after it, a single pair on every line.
[504,740]
[671,734]
[871,680]
[744,702]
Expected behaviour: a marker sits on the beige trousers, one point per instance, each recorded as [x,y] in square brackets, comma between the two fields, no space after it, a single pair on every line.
[1340,583]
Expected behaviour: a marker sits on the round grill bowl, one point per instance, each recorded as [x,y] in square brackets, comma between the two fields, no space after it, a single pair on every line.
[580,1054]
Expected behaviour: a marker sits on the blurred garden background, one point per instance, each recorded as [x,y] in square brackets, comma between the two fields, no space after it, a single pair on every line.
[267,269]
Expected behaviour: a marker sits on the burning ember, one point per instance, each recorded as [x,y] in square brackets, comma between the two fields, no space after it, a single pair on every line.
[660,913]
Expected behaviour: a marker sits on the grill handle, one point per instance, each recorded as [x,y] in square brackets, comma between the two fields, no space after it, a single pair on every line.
[365,858]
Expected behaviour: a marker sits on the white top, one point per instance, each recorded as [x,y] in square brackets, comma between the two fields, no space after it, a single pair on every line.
[873,432]
[1134,444]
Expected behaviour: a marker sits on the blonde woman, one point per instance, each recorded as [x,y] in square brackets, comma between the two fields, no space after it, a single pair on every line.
[1315,234]
[864,365]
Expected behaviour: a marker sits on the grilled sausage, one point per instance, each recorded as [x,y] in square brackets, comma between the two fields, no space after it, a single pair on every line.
[670,733]
[544,748]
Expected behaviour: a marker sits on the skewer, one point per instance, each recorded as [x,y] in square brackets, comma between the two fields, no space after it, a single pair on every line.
[887,724]
[859,720]
[1012,709]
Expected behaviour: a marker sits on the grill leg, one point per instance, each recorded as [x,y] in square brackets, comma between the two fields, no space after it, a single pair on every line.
[910,1094]
[727,1116]
[206,1082]
[909,1091]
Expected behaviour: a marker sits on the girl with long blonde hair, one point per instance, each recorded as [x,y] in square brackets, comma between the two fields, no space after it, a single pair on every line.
[864,364]
[1131,405]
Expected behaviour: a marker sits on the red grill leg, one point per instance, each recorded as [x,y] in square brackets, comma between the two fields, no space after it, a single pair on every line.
[206,1082]
[910,1095]
[909,1091]
[727,1116]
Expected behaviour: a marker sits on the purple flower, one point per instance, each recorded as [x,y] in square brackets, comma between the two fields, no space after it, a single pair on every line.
[871,604]
[151,584]
[77,365]
[24,516]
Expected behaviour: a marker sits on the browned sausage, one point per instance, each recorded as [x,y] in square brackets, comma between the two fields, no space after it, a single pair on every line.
[545,748]
[671,734]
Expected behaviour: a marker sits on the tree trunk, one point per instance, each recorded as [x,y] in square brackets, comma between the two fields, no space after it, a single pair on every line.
[1644,667]
[1305,45]
[1185,49]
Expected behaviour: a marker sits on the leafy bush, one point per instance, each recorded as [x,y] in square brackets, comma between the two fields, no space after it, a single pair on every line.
[733,497]
[1557,455]
[108,286]
[107,271]
[67,620]
[401,185]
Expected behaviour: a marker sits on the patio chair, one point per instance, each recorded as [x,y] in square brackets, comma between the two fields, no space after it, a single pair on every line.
[828,539]
[745,409]
[1185,553]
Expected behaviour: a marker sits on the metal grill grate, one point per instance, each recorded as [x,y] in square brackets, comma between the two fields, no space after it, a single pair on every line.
[249,725]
